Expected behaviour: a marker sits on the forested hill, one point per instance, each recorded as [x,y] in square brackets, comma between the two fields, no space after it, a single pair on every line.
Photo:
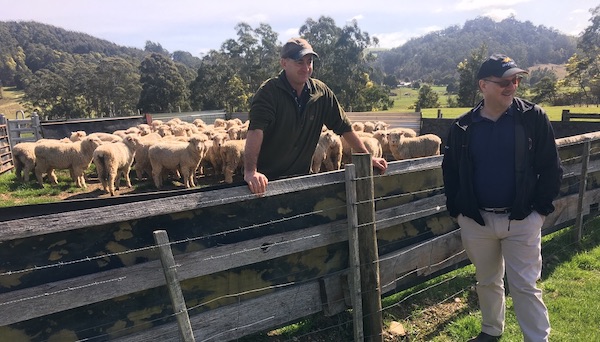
[435,56]
[27,46]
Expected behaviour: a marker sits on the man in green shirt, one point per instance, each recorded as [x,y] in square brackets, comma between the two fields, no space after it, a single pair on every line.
[286,119]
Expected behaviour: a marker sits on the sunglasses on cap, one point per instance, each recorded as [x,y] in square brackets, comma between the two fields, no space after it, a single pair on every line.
[506,83]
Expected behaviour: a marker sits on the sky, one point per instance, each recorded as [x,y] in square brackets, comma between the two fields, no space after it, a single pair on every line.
[198,26]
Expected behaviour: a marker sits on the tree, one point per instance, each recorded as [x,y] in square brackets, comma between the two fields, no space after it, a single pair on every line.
[163,88]
[344,61]
[115,87]
[468,88]
[544,91]
[427,98]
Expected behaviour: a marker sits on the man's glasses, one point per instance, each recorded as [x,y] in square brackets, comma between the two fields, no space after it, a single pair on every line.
[505,83]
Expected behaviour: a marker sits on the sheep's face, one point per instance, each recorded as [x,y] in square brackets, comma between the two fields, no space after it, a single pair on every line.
[395,138]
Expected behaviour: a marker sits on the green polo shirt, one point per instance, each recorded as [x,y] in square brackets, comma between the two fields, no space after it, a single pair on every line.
[290,136]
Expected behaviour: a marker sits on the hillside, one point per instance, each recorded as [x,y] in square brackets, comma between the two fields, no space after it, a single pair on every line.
[434,57]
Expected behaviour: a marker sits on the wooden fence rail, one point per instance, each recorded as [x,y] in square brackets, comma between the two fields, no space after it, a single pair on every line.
[245,263]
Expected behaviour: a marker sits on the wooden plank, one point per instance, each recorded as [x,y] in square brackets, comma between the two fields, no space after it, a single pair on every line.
[72,220]
[235,321]
[82,290]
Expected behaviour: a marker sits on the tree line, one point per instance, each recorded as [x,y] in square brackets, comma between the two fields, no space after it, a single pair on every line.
[70,75]
[67,74]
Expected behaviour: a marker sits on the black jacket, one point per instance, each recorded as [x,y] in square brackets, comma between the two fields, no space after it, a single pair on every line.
[537,164]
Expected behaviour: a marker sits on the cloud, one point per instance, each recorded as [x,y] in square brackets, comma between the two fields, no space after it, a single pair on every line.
[474,5]
[396,39]
[500,14]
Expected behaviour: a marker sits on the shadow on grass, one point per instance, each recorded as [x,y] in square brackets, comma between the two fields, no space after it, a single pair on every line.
[560,247]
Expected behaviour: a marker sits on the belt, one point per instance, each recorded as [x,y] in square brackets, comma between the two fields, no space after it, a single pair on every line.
[504,210]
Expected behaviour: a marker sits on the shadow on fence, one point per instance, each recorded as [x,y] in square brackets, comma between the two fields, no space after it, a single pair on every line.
[244,263]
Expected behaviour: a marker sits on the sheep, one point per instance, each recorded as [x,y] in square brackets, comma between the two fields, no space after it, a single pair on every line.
[358,126]
[142,162]
[369,127]
[328,153]
[213,154]
[380,125]
[114,159]
[181,156]
[232,155]
[347,150]
[108,137]
[373,146]
[383,135]
[24,159]
[76,156]
[408,148]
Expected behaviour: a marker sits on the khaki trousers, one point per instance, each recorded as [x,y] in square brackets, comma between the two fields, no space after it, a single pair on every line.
[515,247]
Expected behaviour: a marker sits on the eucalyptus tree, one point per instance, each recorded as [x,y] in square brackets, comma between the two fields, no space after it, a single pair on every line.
[343,62]
[115,88]
[468,88]
[163,88]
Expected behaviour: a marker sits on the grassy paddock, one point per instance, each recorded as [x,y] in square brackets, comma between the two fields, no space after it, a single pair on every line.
[9,104]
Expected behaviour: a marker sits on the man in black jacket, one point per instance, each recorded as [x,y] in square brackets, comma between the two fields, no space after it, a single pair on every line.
[501,173]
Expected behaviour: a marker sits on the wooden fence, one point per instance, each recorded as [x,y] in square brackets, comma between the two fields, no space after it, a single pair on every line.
[6,161]
[245,263]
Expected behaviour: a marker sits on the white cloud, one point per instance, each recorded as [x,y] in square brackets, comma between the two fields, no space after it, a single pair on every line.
[473,5]
[500,14]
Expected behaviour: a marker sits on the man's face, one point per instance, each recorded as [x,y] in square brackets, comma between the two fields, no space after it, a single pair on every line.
[298,71]
[499,91]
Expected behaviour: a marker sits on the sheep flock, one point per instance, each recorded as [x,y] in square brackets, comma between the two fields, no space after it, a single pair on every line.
[186,151]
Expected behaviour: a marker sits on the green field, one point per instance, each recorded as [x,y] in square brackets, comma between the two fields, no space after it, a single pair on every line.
[406,97]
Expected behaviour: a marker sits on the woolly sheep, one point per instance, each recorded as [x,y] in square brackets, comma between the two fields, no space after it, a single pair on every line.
[24,159]
[213,154]
[347,150]
[383,135]
[114,159]
[408,148]
[232,154]
[142,162]
[108,137]
[75,156]
[184,157]
[328,152]
[373,146]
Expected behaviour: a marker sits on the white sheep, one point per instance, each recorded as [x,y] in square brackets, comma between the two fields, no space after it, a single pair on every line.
[213,154]
[24,159]
[173,156]
[142,163]
[232,155]
[373,146]
[347,149]
[108,137]
[75,156]
[383,136]
[328,153]
[408,148]
[114,159]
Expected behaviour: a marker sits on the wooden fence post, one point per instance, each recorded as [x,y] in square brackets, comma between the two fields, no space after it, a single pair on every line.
[353,241]
[565,115]
[168,262]
[585,159]
[439,113]
[369,258]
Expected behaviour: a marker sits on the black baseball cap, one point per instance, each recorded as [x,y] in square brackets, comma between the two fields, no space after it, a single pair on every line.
[296,48]
[499,65]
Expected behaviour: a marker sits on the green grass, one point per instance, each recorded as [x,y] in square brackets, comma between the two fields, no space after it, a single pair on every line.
[406,97]
[15,193]
[445,309]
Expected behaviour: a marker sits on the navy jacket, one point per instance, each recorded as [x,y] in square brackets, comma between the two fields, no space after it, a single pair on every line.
[537,164]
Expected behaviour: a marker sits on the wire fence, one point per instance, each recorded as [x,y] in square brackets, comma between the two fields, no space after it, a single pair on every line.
[267,283]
